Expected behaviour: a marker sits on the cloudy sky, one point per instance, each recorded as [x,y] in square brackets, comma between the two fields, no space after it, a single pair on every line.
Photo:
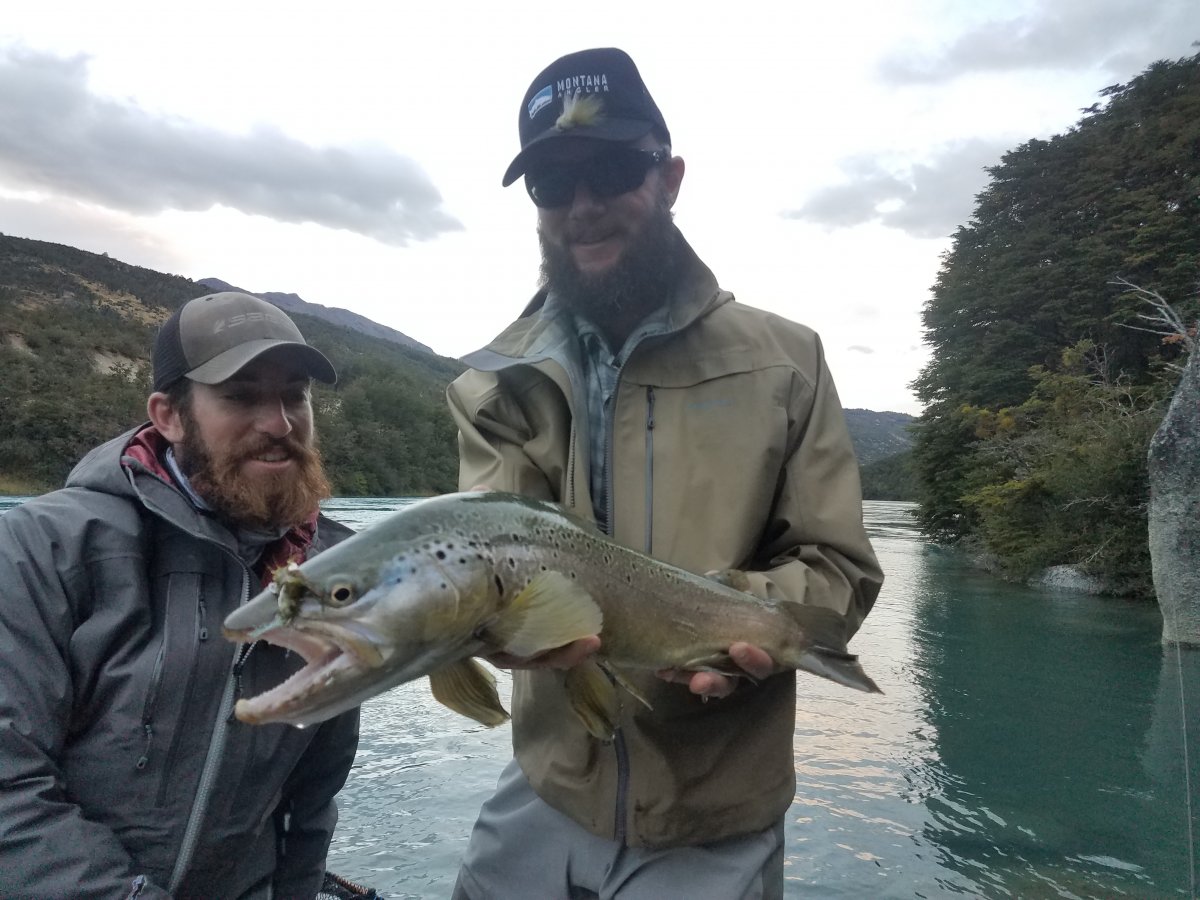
[352,152]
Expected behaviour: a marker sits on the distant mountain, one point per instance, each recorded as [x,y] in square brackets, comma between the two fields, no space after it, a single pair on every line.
[343,317]
[878,435]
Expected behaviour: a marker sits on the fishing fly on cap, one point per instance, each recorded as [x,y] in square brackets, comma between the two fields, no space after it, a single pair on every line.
[580,109]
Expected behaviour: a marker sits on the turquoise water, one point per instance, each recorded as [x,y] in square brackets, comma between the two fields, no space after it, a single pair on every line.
[1028,744]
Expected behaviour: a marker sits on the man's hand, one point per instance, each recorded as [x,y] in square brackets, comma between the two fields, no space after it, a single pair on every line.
[754,661]
[564,657]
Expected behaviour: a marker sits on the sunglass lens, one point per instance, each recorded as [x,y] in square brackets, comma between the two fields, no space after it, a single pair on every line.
[618,173]
[607,175]
[552,187]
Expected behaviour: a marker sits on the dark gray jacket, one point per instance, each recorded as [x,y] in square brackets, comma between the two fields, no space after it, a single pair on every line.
[121,769]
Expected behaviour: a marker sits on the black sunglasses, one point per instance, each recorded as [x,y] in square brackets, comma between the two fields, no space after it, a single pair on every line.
[609,174]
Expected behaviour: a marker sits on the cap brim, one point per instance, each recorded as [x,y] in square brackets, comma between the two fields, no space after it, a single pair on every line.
[620,130]
[225,365]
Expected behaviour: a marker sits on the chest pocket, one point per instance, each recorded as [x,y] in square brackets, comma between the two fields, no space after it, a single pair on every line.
[713,453]
[191,663]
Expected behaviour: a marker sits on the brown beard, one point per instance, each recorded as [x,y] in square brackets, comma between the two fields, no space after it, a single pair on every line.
[270,502]
[637,284]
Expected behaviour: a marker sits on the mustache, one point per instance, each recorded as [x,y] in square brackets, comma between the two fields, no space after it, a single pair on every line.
[264,444]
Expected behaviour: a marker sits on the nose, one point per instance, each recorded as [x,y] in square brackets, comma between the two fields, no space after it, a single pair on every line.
[273,418]
[585,203]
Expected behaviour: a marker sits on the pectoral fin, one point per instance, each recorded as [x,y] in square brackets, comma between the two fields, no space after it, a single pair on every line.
[594,699]
[470,690]
[551,611]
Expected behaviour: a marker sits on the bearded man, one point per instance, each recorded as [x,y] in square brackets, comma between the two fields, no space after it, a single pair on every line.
[637,393]
[122,770]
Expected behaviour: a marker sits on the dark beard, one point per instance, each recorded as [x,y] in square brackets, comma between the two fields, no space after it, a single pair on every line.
[639,282]
[268,503]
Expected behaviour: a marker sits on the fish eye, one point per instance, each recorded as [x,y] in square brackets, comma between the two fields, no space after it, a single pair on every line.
[341,594]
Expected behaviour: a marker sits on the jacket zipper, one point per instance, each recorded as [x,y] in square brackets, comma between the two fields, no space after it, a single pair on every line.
[152,700]
[212,763]
[649,470]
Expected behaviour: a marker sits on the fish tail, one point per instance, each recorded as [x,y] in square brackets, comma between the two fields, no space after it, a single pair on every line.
[826,653]
[839,666]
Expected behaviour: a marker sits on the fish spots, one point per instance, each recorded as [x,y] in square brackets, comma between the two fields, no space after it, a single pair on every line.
[499,584]
[441,554]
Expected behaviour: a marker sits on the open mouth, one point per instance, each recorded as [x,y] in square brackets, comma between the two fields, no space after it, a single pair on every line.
[327,661]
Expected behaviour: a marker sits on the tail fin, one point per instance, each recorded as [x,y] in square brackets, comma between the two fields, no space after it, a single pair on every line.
[826,654]
[837,666]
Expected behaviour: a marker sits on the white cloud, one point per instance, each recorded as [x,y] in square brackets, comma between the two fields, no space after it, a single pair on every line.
[1113,36]
[923,200]
[56,135]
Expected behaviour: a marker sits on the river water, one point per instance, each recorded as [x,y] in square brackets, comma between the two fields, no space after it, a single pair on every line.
[1029,743]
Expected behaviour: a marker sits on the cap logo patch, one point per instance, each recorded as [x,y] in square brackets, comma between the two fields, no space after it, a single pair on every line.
[583,84]
[239,319]
[540,99]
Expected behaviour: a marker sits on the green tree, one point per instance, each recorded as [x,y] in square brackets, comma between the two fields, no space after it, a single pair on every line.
[1031,274]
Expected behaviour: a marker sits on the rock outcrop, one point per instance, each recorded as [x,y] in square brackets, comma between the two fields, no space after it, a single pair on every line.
[1174,464]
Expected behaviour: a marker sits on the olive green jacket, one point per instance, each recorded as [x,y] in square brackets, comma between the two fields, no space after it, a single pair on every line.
[729,449]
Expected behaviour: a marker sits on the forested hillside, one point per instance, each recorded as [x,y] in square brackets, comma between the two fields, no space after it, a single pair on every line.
[1043,386]
[75,335]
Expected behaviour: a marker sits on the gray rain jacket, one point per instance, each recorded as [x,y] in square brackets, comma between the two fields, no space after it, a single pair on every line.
[122,771]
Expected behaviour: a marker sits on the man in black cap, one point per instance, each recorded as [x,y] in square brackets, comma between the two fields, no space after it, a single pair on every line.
[124,773]
[635,392]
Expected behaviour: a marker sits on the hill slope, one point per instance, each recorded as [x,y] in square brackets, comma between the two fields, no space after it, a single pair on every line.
[878,435]
[75,336]
[291,303]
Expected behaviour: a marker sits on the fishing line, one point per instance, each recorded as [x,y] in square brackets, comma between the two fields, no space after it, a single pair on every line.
[1187,766]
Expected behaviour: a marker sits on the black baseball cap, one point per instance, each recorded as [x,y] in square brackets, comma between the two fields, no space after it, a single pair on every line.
[606,78]
[212,338]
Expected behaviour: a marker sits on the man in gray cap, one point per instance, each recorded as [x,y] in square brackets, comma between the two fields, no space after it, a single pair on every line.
[636,392]
[124,773]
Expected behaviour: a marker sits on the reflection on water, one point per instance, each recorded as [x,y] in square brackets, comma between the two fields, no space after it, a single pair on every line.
[1029,743]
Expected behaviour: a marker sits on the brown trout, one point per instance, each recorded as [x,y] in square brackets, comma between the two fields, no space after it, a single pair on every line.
[446,579]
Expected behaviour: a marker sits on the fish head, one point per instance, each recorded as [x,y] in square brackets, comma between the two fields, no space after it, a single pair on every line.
[366,615]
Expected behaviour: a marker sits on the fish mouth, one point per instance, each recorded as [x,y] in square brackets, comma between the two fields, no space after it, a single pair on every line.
[332,657]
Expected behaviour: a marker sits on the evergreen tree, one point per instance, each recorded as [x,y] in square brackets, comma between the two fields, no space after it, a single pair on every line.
[1031,275]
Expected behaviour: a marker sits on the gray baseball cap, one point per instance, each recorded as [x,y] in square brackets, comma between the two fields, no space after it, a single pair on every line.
[212,338]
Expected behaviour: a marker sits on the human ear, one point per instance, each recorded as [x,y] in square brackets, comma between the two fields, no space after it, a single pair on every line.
[673,177]
[165,417]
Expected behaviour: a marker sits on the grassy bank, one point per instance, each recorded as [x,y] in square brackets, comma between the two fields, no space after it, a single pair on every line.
[12,486]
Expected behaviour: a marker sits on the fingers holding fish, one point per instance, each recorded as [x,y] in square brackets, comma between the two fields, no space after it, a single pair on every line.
[754,661]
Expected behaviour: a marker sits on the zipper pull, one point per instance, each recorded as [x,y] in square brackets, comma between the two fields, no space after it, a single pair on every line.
[238,666]
[144,759]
